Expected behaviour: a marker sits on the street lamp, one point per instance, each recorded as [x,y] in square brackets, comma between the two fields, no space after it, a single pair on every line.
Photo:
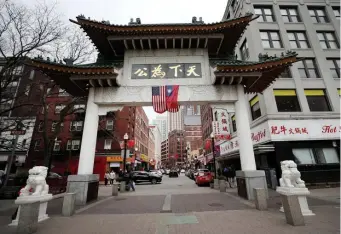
[136,149]
[213,154]
[125,137]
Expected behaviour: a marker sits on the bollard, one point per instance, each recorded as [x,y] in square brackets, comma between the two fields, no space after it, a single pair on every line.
[222,186]
[122,186]
[216,184]
[260,198]
[292,210]
[114,191]
[69,204]
[28,219]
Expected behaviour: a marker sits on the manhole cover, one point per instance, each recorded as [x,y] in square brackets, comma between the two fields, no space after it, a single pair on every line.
[120,199]
[179,184]
[215,204]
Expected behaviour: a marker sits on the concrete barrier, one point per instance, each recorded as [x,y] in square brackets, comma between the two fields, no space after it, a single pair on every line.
[28,219]
[260,198]
[292,210]
[114,191]
[69,202]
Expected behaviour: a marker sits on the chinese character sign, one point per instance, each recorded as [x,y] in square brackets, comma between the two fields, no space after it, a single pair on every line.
[216,128]
[223,120]
[166,71]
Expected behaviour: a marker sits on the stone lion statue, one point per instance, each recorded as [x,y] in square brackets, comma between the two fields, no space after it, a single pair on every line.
[36,181]
[291,177]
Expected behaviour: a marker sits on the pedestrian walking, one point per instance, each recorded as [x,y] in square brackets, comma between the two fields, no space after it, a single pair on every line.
[112,177]
[106,178]
[131,181]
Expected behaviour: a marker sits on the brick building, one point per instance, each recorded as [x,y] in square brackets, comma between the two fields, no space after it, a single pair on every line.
[193,137]
[151,149]
[206,123]
[177,146]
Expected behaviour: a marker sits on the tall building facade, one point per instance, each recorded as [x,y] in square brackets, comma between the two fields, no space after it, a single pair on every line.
[164,153]
[298,116]
[176,120]
[192,110]
[161,122]
[157,142]
[177,147]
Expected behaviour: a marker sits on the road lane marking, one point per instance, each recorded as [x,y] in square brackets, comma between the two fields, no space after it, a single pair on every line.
[166,208]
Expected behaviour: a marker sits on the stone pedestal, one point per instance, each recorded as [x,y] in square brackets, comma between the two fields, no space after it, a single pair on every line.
[28,221]
[260,199]
[292,210]
[114,191]
[41,200]
[85,187]
[216,184]
[301,193]
[248,180]
[69,204]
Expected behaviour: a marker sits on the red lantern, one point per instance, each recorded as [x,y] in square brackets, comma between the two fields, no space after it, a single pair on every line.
[207,145]
[131,143]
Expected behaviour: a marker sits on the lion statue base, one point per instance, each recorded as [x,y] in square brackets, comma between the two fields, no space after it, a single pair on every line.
[36,183]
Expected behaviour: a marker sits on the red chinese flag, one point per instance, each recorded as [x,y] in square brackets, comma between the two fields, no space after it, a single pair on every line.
[172,98]
[131,143]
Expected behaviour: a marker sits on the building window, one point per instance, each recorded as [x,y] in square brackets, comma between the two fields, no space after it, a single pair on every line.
[56,146]
[317,100]
[234,125]
[286,100]
[76,126]
[270,39]
[290,15]
[298,40]
[110,125]
[53,126]
[23,143]
[37,145]
[79,108]
[334,65]
[40,126]
[255,108]
[327,40]
[318,15]
[73,144]
[286,73]
[107,144]
[265,14]
[315,155]
[244,51]
[28,90]
[307,68]
[59,108]
[336,11]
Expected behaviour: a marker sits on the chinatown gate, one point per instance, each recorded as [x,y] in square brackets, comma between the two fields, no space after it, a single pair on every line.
[132,58]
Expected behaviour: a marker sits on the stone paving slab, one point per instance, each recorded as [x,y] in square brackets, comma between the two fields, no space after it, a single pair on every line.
[185,203]
[129,205]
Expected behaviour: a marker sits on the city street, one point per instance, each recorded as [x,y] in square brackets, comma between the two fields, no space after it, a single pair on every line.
[177,205]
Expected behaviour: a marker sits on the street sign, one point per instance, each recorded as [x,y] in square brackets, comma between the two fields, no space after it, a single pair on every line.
[18,132]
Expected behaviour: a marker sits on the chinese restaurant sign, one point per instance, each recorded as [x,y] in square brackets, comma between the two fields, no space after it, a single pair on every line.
[288,130]
[166,71]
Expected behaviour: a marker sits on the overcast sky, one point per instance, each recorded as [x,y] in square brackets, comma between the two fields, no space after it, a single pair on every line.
[149,11]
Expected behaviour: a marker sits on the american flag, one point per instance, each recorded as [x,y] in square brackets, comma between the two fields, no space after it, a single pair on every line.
[159,99]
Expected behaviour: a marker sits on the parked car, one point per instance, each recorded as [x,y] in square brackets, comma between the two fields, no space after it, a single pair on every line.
[57,184]
[203,178]
[156,172]
[200,170]
[143,176]
[182,171]
[173,173]
[167,171]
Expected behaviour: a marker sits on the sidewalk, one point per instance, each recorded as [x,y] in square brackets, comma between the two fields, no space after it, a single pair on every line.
[209,222]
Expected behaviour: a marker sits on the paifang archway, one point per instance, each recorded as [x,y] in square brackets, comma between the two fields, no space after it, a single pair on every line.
[115,80]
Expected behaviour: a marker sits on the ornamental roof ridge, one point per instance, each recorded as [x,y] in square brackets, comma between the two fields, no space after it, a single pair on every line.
[82,18]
